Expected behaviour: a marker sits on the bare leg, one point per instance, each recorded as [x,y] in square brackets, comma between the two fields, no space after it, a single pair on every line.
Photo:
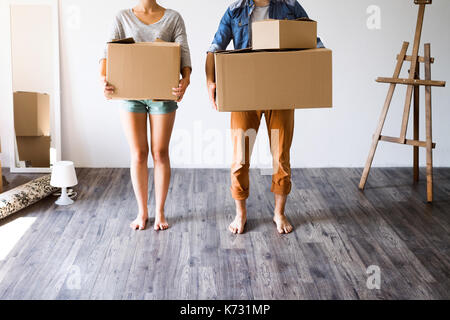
[283,225]
[161,131]
[238,224]
[135,127]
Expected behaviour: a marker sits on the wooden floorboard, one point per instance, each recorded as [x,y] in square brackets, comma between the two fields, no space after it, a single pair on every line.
[88,251]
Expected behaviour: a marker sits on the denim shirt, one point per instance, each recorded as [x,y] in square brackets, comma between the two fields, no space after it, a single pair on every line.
[236,22]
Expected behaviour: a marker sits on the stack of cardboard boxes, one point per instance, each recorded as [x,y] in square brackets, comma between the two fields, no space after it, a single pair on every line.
[32,126]
[283,70]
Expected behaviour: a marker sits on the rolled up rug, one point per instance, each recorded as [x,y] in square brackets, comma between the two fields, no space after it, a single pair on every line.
[25,195]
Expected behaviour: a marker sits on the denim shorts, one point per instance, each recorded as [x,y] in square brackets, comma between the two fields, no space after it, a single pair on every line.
[150,106]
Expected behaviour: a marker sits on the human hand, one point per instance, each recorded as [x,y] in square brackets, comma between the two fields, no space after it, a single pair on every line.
[212,93]
[181,90]
[108,89]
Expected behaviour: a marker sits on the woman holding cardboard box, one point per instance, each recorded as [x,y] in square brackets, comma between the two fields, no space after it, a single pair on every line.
[147,22]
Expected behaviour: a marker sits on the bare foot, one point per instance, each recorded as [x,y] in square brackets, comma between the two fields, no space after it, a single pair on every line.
[160,222]
[283,225]
[140,222]
[238,224]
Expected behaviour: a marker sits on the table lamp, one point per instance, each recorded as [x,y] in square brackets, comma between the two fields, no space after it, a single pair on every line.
[63,176]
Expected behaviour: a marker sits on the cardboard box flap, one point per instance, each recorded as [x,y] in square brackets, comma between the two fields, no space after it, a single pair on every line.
[298,19]
[153,44]
[305,19]
[234,51]
[123,41]
[251,50]
[158,41]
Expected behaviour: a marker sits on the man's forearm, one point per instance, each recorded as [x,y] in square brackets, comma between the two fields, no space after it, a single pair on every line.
[210,68]
[186,73]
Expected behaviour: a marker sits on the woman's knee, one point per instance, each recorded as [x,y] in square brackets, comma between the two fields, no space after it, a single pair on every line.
[160,155]
[139,156]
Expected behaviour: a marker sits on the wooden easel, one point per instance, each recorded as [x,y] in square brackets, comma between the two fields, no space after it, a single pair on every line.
[413,82]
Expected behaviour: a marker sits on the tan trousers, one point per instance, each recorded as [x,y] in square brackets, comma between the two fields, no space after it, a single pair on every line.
[244,127]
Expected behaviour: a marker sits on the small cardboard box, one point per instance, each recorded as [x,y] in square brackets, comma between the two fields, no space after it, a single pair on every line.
[31,114]
[35,150]
[284,34]
[278,80]
[144,70]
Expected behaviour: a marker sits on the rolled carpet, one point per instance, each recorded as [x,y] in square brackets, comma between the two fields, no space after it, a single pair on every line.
[25,195]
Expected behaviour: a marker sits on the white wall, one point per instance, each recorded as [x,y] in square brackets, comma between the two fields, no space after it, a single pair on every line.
[339,137]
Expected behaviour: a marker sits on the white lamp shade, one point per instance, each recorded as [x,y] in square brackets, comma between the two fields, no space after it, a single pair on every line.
[63,175]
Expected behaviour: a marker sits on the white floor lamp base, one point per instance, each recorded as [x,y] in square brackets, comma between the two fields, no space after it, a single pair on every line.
[64,199]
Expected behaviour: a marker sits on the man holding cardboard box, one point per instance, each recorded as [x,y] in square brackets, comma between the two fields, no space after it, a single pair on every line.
[146,76]
[236,25]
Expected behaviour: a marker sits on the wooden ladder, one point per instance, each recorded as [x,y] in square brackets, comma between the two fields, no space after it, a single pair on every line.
[413,82]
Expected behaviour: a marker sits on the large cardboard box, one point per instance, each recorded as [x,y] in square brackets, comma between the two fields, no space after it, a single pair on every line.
[284,34]
[145,70]
[278,80]
[34,150]
[31,114]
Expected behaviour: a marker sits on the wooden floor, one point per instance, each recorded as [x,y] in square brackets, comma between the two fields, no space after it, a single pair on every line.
[87,251]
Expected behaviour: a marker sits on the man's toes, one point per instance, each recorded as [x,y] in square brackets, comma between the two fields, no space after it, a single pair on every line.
[161,226]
